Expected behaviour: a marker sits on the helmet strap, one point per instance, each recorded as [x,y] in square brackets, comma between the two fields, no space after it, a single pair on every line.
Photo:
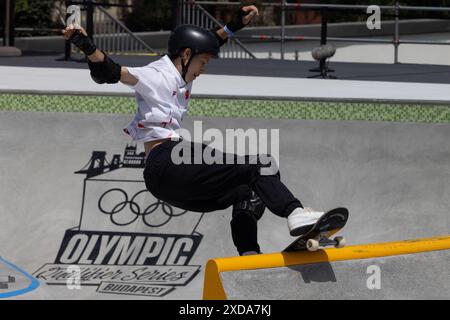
[185,67]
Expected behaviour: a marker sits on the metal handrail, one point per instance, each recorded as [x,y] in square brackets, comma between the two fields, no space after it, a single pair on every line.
[418,8]
[106,4]
[110,33]
[221,25]
[196,14]
[322,5]
[306,38]
[285,6]
[128,31]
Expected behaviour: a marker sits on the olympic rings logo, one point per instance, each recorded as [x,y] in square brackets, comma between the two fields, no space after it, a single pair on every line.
[117,208]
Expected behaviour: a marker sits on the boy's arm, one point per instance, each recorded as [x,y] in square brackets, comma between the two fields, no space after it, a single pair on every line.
[222,35]
[127,78]
[103,68]
[243,17]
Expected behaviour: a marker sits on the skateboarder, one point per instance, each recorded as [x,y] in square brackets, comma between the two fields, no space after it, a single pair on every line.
[162,93]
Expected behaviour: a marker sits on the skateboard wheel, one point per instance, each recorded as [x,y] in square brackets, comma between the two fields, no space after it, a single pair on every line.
[340,242]
[312,245]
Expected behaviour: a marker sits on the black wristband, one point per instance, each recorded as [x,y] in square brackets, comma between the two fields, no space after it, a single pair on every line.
[82,42]
[106,71]
[236,24]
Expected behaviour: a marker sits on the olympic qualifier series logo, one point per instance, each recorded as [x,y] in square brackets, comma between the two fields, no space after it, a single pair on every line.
[127,241]
[115,212]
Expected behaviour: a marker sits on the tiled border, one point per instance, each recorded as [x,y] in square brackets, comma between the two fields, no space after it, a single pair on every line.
[268,109]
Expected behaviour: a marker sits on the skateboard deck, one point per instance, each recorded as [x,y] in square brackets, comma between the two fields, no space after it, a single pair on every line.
[319,234]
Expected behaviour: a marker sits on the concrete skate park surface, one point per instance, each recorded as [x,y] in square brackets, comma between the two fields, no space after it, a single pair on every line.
[392,176]
[73,199]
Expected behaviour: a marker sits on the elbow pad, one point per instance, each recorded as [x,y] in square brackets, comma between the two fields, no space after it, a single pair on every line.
[106,71]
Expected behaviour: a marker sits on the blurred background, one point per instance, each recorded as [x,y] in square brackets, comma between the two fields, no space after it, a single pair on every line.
[42,17]
[284,30]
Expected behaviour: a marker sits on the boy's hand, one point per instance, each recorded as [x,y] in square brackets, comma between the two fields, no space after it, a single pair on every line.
[251,11]
[70,30]
[78,36]
[244,16]
[103,69]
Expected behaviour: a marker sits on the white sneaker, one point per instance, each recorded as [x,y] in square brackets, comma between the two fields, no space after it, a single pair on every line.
[301,220]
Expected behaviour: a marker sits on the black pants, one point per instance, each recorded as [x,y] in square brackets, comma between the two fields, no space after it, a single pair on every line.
[209,187]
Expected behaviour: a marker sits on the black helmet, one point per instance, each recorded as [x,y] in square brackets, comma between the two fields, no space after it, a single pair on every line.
[199,40]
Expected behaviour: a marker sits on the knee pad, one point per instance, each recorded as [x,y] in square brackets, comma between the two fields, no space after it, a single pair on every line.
[252,206]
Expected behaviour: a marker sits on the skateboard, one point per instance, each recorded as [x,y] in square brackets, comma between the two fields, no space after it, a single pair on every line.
[320,234]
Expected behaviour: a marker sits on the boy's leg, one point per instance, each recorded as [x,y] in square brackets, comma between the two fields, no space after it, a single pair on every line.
[244,230]
[270,189]
[209,187]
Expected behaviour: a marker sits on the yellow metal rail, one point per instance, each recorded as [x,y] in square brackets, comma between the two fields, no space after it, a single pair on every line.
[213,288]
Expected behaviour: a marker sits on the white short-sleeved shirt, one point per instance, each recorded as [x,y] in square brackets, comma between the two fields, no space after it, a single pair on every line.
[162,97]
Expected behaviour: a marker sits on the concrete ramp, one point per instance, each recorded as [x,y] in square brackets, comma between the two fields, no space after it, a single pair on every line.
[337,273]
[73,202]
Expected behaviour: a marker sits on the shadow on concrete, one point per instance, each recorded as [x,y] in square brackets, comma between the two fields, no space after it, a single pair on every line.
[320,272]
